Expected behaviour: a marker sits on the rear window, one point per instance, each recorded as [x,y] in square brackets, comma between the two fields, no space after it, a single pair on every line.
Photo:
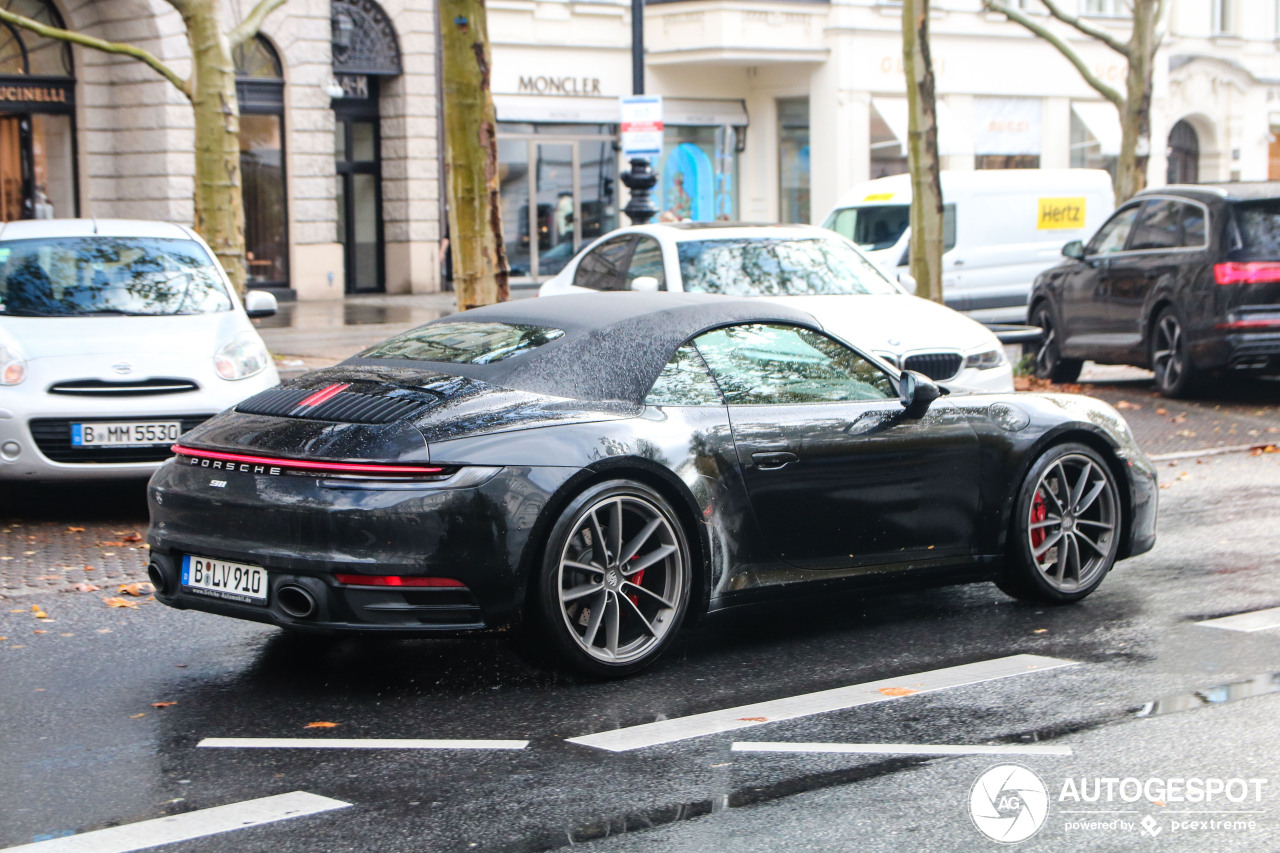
[764,266]
[1258,227]
[464,342]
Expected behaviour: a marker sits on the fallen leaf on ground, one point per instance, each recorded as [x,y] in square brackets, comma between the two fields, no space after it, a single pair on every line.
[118,602]
[85,587]
[38,612]
[1125,404]
[88,568]
[1264,448]
[75,530]
[754,719]
[162,704]
[897,691]
[28,553]
[1177,419]
[137,716]
[1040,631]
[127,535]
[138,589]
[320,725]
[1185,433]
[114,543]
[1162,411]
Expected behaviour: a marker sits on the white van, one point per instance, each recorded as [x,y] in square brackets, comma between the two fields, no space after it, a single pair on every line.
[1001,229]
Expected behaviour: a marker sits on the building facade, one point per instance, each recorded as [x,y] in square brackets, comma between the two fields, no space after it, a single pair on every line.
[339,130]
[773,109]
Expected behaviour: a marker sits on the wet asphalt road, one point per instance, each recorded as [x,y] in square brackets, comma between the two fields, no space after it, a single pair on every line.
[84,747]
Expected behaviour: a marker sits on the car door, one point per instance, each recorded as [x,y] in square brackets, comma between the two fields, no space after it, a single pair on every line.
[1086,288]
[839,478]
[1166,234]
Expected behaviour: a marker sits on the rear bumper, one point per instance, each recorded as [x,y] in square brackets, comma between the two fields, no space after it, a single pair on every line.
[305,530]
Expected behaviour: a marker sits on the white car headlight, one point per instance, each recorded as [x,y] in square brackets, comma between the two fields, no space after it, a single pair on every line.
[986,360]
[13,368]
[241,357]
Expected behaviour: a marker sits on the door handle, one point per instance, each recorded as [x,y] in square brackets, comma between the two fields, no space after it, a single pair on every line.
[773,460]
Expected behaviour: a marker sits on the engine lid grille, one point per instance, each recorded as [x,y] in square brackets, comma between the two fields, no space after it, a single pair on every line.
[335,403]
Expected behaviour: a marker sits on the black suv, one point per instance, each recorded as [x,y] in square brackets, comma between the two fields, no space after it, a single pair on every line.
[1184,280]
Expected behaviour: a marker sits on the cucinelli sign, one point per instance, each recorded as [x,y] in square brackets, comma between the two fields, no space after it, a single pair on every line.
[35,94]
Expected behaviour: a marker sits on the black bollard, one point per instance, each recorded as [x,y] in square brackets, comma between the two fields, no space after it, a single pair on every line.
[640,179]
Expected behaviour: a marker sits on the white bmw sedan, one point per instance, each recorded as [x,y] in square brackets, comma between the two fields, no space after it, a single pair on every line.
[808,268]
[116,337]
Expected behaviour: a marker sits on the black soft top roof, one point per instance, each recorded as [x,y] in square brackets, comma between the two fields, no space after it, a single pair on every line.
[614,344]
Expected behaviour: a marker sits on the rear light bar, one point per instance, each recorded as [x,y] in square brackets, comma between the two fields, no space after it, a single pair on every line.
[1273,323]
[1252,272]
[275,465]
[398,580]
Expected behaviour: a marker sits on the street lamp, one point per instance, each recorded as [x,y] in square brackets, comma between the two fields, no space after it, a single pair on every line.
[640,178]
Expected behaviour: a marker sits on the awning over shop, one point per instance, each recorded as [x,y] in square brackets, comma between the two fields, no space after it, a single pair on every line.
[1008,126]
[894,113]
[1102,121]
[568,109]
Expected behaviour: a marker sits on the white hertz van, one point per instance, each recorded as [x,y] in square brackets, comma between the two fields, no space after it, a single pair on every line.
[1001,229]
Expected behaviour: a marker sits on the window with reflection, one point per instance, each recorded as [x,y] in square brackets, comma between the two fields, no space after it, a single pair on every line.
[762,266]
[260,89]
[757,364]
[685,381]
[1113,236]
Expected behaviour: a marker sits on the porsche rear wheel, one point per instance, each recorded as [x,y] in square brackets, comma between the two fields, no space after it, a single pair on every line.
[615,579]
[1066,527]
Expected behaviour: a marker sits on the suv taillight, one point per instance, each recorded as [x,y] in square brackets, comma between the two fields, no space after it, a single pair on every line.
[1253,272]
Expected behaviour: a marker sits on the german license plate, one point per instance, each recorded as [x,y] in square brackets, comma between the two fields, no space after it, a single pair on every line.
[221,579]
[125,433]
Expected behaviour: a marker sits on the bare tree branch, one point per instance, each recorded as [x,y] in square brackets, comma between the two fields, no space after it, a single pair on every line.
[1088,29]
[183,86]
[249,27]
[1065,49]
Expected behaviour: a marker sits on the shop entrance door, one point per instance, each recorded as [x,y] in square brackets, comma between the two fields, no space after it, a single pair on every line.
[359,190]
[13,171]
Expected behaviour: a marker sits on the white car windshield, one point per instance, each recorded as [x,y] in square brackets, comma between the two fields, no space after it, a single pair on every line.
[85,276]
[777,266]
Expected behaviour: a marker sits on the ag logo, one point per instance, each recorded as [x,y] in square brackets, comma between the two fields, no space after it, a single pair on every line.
[1008,803]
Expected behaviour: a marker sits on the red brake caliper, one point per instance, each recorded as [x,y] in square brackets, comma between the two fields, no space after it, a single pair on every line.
[1039,512]
[637,579]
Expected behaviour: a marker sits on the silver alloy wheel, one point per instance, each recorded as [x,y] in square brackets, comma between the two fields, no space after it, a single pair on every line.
[620,578]
[1168,356]
[1073,522]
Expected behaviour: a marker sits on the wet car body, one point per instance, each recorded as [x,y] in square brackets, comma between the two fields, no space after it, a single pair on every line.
[870,494]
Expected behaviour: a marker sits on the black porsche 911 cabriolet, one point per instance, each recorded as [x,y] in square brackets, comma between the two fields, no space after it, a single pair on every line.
[599,468]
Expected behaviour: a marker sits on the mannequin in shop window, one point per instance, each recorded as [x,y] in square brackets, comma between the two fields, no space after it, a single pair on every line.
[43,207]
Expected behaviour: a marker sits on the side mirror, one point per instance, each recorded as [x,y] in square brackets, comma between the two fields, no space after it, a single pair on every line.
[259,303]
[917,393]
[644,284]
[907,283]
[1074,250]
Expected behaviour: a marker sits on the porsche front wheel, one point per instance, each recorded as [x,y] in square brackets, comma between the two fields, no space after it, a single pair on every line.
[1066,527]
[615,579]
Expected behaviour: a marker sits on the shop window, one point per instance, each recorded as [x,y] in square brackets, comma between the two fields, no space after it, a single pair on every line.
[1095,137]
[260,89]
[888,137]
[699,173]
[793,160]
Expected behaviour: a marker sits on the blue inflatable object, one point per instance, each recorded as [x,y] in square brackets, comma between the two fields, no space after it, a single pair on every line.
[688,184]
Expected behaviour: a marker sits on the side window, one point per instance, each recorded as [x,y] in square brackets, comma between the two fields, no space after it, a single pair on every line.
[685,382]
[1159,227]
[757,364]
[603,267]
[646,260]
[948,227]
[1195,232]
[1112,236]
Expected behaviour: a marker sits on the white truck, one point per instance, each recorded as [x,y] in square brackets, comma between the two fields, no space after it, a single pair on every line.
[1001,229]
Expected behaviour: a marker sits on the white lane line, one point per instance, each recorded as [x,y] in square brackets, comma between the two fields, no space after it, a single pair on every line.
[356,743]
[839,698]
[1258,620]
[184,827]
[901,748]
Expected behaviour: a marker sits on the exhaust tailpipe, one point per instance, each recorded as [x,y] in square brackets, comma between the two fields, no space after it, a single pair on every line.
[158,578]
[296,601]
